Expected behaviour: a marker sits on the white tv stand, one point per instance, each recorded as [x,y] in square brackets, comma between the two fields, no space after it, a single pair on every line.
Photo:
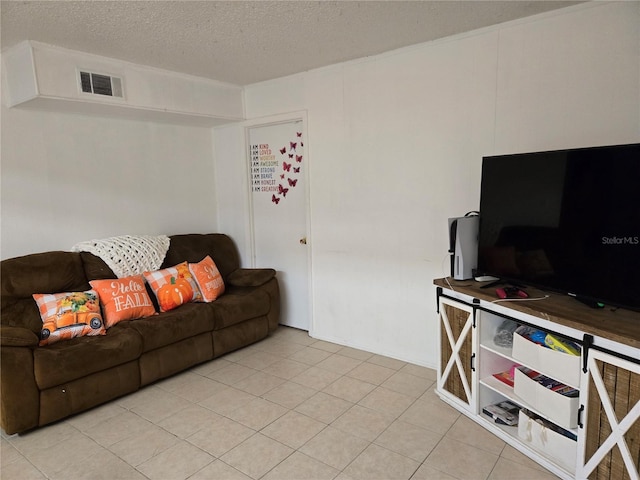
[604,419]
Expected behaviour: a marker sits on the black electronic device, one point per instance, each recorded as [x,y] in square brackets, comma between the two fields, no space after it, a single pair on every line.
[564,220]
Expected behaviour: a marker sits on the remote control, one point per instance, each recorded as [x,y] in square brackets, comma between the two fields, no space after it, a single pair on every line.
[486,278]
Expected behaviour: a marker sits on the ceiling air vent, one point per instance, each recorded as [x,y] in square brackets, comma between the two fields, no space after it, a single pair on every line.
[101,84]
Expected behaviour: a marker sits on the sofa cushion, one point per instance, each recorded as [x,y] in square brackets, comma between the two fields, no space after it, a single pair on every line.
[76,358]
[170,327]
[123,299]
[238,305]
[48,272]
[95,268]
[195,246]
[68,315]
[207,278]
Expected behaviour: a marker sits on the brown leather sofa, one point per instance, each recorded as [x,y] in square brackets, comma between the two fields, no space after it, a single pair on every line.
[40,385]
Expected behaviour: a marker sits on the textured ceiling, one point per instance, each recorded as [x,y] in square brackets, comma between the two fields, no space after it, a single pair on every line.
[244,42]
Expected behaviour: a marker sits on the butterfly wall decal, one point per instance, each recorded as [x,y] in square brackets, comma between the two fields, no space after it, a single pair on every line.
[286,167]
[283,191]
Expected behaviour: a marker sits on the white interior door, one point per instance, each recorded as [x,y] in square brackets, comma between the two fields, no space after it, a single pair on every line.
[279,207]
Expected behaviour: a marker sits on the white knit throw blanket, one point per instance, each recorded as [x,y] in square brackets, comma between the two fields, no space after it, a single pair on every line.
[128,255]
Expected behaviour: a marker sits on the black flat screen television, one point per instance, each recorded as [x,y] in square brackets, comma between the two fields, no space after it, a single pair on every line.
[565,220]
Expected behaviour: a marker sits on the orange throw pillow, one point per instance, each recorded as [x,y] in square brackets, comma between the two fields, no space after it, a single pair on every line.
[123,299]
[68,315]
[173,286]
[207,278]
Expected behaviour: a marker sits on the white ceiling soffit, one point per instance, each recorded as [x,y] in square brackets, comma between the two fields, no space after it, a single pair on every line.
[244,42]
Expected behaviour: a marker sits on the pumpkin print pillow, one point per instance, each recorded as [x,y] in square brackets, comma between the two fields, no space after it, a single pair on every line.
[173,286]
[68,315]
[208,279]
[123,299]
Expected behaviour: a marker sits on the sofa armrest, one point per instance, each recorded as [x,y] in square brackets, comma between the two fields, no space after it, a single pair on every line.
[20,406]
[250,277]
[17,337]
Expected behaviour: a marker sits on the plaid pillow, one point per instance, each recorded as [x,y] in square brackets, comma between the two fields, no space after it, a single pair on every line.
[68,315]
[173,286]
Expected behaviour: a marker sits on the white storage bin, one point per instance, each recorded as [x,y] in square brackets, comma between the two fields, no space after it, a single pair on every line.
[552,444]
[559,365]
[558,408]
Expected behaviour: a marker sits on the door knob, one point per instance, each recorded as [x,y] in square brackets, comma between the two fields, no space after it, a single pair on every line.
[303,241]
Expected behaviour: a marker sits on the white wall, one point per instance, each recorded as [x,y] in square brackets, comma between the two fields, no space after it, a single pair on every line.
[232,187]
[67,178]
[395,144]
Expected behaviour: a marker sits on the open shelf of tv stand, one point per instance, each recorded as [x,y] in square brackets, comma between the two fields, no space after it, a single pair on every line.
[617,325]
[610,340]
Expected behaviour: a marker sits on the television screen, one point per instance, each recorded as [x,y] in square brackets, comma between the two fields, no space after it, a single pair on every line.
[567,221]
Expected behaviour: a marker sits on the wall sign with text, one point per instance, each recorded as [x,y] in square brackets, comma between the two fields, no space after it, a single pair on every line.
[276,155]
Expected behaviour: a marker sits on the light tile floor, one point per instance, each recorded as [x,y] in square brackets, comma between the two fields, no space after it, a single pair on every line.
[289,407]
